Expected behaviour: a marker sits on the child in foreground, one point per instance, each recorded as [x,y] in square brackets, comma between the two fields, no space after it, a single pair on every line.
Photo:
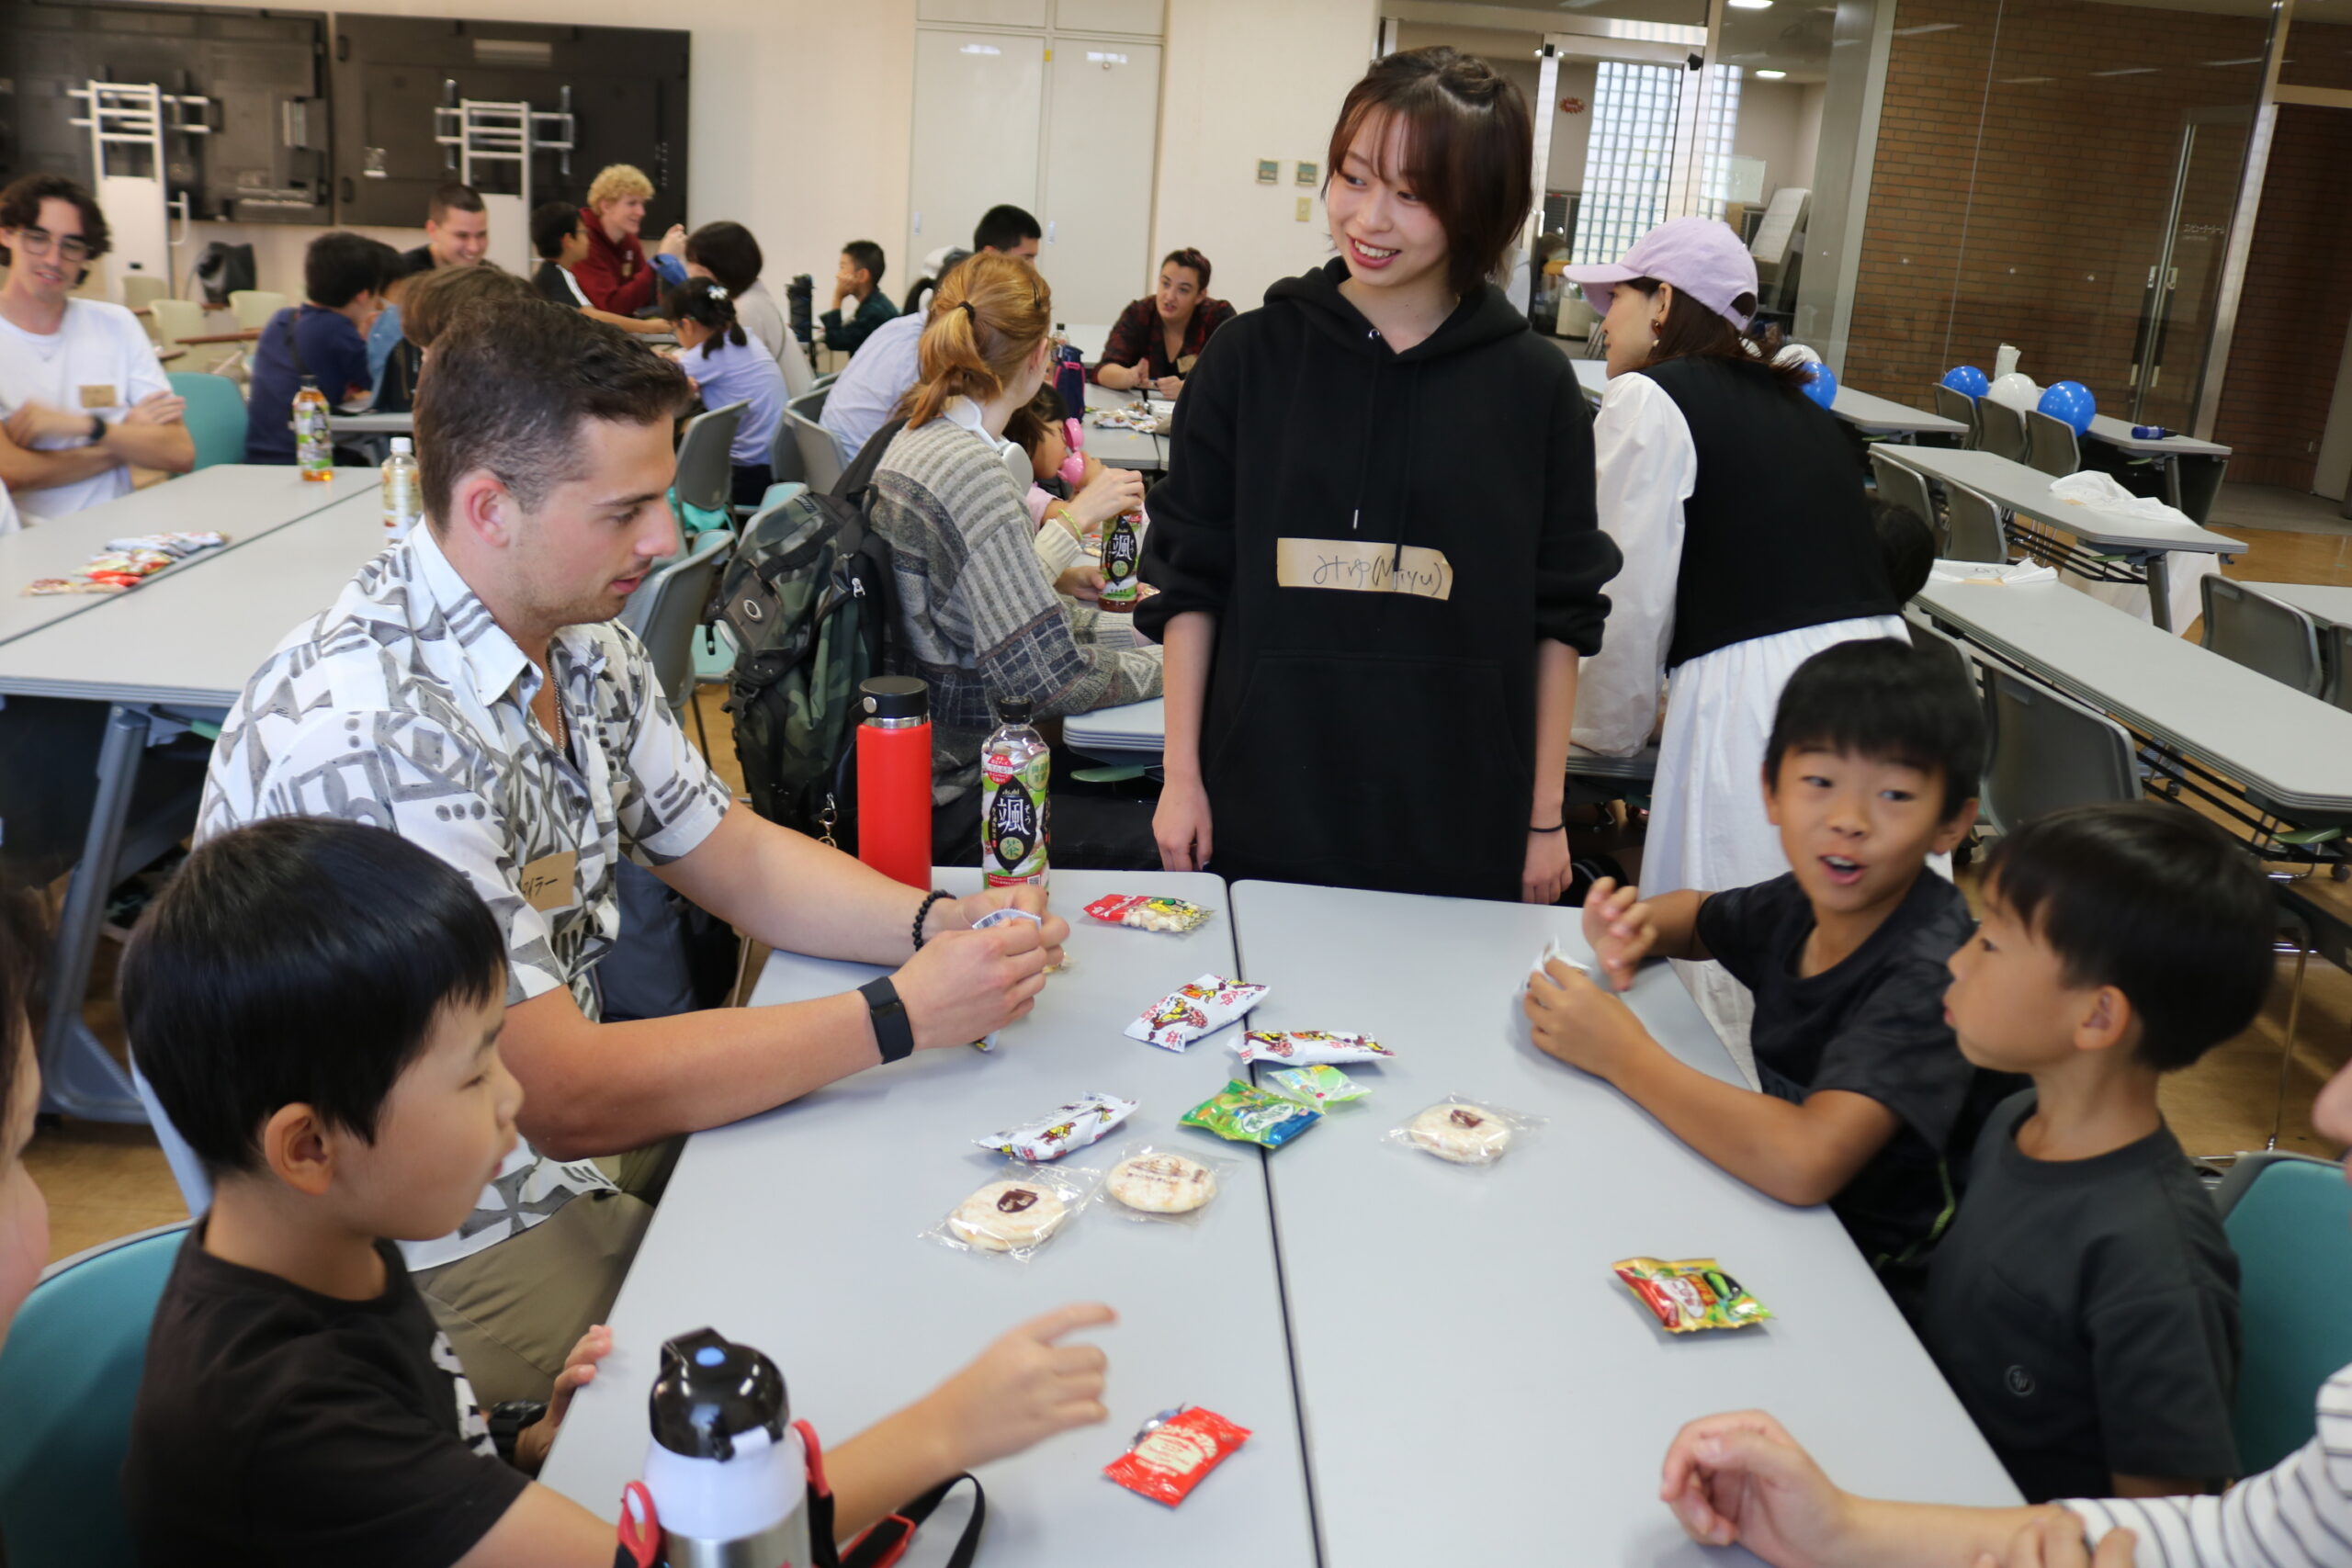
[317,1006]
[2084,1306]
[1871,768]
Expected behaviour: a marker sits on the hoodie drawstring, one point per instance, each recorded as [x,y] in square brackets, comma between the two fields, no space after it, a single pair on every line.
[1364,454]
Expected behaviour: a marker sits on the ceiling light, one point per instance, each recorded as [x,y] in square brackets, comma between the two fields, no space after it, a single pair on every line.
[1751,5]
[1925,27]
[1770,75]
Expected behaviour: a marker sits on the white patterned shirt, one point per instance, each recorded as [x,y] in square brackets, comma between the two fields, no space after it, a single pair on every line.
[405,706]
[2297,1514]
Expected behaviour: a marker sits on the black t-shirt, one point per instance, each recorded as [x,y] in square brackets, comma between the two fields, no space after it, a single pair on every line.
[2086,1314]
[1873,1024]
[278,1426]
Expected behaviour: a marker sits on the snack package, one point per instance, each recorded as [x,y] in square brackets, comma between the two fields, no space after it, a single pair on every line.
[1020,1209]
[1247,1114]
[1690,1293]
[1464,1131]
[178,547]
[1147,913]
[1173,1451]
[1319,1085]
[1182,1016]
[1158,1184]
[1306,1048]
[1065,1127]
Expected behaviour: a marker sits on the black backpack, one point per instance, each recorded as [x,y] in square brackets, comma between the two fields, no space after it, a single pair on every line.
[810,598]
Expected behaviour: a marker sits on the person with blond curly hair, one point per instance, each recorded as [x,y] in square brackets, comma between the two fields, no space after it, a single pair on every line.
[616,274]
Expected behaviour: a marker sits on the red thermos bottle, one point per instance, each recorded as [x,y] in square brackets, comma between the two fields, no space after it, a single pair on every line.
[894,779]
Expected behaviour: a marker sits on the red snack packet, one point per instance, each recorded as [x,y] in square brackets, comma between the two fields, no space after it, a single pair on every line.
[1173,1457]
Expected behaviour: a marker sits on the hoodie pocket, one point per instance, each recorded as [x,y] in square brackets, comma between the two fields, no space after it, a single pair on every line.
[1354,759]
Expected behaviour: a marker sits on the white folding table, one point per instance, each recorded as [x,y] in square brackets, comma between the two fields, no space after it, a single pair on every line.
[2327,602]
[1865,412]
[2191,469]
[798,1232]
[174,653]
[243,500]
[2287,754]
[2102,537]
[1470,1369]
[1116,445]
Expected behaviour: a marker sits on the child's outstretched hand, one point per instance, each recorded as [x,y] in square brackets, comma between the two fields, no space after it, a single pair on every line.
[1023,1388]
[578,1370]
[1579,1022]
[1619,930]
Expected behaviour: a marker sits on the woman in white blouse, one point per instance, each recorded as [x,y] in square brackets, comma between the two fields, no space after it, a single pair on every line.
[1742,1478]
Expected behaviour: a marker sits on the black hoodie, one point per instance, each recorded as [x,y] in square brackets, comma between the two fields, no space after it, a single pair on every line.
[1377,739]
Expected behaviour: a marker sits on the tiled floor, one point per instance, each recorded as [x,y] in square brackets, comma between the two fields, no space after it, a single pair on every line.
[106,1181]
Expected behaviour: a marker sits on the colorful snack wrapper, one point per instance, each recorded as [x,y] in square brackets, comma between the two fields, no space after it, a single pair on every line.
[1690,1293]
[1068,1127]
[1306,1048]
[1182,1016]
[1172,1456]
[1318,1086]
[1147,913]
[1247,1114]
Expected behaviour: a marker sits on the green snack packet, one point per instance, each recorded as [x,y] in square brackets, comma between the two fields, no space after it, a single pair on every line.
[1247,1114]
[1318,1086]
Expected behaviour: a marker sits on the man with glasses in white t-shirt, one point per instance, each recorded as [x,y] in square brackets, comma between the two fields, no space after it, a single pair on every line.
[82,399]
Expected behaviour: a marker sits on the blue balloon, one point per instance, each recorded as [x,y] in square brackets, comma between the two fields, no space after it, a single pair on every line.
[2071,402]
[1967,378]
[1822,386]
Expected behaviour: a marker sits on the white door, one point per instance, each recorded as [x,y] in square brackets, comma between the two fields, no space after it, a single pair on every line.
[1101,150]
[978,99]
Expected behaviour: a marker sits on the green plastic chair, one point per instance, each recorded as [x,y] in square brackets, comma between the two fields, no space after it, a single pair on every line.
[216,416]
[2290,1218]
[68,1379]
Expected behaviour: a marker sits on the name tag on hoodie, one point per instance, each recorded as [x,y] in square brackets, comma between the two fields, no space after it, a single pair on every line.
[1364,566]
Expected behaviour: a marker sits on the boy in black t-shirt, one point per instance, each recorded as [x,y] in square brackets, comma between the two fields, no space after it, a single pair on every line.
[1871,768]
[2085,1304]
[317,1006]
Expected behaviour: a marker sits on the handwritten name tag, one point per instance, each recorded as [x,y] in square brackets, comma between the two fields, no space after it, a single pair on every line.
[99,396]
[1364,566]
[547,881]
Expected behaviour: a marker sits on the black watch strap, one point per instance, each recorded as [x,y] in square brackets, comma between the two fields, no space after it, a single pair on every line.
[506,1421]
[97,427]
[893,1030]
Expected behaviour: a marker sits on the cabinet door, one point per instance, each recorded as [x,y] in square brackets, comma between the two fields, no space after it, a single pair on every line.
[985,13]
[1138,16]
[1101,151]
[978,99]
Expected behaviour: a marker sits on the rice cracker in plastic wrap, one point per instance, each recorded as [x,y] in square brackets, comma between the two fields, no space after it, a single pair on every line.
[1311,1047]
[1690,1293]
[1147,913]
[1065,1127]
[1182,1016]
[1174,1452]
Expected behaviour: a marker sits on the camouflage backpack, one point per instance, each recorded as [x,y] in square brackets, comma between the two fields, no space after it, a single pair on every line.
[813,606]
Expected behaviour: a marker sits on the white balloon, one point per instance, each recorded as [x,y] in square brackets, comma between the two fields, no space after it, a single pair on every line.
[2017,390]
[1797,353]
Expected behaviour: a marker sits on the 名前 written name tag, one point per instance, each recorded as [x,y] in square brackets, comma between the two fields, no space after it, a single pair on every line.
[1364,566]
[547,881]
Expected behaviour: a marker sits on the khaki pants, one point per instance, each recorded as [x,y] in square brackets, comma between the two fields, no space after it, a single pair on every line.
[514,1309]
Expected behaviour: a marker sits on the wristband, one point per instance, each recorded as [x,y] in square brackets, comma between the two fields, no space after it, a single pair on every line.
[923,912]
[1555,828]
[97,428]
[893,1030]
[506,1421]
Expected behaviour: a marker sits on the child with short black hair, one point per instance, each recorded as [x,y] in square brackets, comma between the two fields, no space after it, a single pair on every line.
[729,367]
[859,279]
[1866,1101]
[2084,1306]
[1071,495]
[317,1005]
[344,277]
[1905,543]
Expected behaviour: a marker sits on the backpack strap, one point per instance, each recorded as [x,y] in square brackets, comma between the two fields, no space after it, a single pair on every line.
[858,477]
[885,1542]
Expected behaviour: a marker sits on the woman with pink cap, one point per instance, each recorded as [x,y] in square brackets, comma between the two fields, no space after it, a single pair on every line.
[1748,549]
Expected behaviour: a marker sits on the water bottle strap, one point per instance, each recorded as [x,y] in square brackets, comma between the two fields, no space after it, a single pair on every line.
[884,1543]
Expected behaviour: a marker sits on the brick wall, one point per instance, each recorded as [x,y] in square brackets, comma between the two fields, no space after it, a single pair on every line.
[2041,233]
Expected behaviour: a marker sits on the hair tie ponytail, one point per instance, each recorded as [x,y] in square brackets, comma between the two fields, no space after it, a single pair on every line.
[966,306]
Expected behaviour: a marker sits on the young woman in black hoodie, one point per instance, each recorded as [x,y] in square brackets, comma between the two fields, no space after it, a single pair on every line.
[1375,550]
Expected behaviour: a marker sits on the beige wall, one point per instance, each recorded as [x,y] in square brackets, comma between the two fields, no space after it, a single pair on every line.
[1243,80]
[803,110]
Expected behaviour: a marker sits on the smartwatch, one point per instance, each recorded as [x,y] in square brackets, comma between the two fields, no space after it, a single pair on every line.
[506,1421]
[97,428]
[893,1032]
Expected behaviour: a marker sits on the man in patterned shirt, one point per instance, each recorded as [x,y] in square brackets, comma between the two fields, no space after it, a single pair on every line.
[470,691]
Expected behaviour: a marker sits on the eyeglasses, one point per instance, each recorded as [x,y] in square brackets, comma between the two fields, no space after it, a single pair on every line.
[41,242]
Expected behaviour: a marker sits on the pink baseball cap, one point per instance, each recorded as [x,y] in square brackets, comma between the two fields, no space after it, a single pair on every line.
[1701,256]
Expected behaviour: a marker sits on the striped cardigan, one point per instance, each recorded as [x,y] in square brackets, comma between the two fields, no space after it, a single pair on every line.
[2298,1513]
[977,617]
